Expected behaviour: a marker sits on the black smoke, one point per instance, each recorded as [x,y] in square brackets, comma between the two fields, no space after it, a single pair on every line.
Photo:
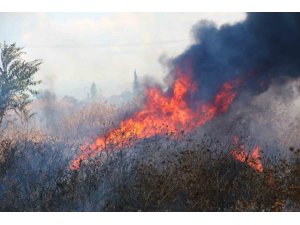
[262,49]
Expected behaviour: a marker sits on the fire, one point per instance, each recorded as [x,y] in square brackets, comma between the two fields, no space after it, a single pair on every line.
[253,159]
[162,114]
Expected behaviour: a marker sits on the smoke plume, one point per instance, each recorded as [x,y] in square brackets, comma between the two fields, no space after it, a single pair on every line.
[262,49]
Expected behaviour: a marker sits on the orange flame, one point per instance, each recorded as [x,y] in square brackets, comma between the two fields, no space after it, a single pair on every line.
[253,159]
[162,114]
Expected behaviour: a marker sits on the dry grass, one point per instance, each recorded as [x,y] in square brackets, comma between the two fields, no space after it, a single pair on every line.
[160,174]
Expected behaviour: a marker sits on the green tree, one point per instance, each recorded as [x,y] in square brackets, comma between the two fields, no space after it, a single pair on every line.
[21,109]
[16,79]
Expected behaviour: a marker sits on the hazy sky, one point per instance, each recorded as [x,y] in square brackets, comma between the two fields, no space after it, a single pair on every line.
[79,48]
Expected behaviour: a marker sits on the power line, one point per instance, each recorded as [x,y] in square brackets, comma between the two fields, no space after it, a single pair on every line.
[107,45]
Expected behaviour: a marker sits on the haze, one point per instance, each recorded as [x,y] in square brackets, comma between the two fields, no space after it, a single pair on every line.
[105,48]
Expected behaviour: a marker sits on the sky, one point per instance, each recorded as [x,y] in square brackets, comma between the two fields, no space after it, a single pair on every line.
[80,48]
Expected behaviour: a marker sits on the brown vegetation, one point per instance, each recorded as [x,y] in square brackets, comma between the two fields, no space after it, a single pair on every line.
[157,174]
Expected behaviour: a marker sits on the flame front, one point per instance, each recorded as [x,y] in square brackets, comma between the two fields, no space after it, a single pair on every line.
[253,159]
[162,114]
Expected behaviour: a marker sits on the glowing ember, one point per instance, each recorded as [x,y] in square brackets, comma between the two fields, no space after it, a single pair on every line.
[162,114]
[252,159]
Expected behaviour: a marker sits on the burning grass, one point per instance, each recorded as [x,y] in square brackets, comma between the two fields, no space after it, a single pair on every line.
[155,158]
[163,113]
[165,171]
[192,173]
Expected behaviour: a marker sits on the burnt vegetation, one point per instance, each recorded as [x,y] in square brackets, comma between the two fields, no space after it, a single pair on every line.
[171,170]
[154,175]
[194,172]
